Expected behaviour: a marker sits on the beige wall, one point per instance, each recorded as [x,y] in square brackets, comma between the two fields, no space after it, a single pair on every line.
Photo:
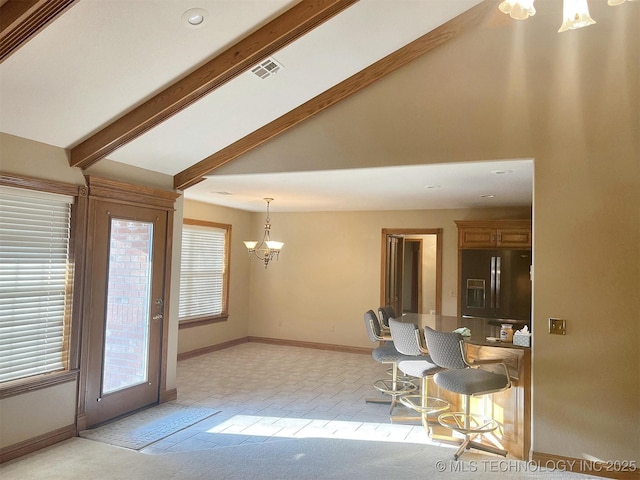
[586,255]
[329,271]
[35,413]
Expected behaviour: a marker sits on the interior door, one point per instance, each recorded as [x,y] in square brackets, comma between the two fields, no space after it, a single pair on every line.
[394,272]
[127,268]
[412,281]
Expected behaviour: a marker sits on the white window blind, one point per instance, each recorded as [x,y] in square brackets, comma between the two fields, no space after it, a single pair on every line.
[202,271]
[34,269]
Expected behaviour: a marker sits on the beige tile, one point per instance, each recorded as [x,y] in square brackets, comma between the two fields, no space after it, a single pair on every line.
[279,393]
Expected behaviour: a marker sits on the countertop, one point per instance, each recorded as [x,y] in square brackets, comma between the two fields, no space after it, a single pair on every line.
[480,327]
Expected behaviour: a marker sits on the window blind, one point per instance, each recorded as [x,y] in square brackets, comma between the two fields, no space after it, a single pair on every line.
[202,271]
[34,270]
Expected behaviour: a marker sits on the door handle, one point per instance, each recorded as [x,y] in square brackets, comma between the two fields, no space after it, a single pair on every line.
[159,304]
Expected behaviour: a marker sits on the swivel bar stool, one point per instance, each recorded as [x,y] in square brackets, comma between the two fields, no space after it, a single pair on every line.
[385,313]
[447,351]
[386,353]
[406,338]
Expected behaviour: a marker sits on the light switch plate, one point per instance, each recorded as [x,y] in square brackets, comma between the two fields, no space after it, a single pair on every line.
[557,326]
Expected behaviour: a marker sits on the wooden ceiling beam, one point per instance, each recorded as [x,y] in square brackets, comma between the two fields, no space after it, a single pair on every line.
[278,33]
[351,85]
[20,20]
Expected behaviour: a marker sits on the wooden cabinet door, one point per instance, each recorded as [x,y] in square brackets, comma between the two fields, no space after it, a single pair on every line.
[477,237]
[514,237]
[494,233]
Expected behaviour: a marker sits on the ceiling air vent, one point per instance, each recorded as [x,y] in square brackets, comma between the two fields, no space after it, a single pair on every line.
[266,68]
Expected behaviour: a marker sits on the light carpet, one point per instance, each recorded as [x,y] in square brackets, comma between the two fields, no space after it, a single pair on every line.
[148,426]
[300,459]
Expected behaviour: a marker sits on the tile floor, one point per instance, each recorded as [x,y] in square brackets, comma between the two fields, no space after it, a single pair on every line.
[273,393]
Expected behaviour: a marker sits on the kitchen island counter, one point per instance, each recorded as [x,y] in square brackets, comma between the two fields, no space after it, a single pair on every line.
[481,328]
[512,407]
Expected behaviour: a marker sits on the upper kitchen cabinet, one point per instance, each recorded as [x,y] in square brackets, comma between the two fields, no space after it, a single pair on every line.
[494,233]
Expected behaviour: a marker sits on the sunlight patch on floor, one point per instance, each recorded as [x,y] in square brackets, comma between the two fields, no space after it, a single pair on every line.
[277,427]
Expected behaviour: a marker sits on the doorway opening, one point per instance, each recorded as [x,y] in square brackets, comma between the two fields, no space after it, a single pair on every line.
[411,273]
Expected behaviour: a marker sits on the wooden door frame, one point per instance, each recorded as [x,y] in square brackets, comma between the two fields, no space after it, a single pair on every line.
[134,195]
[412,231]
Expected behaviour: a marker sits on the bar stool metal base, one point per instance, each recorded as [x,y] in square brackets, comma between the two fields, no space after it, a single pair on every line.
[427,406]
[400,375]
[471,425]
[424,404]
[394,387]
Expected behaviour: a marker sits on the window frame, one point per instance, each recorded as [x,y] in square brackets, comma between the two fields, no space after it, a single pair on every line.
[40,381]
[190,322]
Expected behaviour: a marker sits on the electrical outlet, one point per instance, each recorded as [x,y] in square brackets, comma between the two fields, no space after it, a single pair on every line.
[557,326]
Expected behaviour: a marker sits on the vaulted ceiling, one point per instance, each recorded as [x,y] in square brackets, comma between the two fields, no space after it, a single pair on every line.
[135,83]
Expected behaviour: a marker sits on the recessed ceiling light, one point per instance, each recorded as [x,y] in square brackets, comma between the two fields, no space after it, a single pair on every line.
[194,17]
[223,193]
[432,186]
[488,195]
[502,172]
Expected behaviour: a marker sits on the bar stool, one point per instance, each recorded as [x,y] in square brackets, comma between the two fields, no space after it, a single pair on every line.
[406,338]
[447,351]
[388,354]
[384,314]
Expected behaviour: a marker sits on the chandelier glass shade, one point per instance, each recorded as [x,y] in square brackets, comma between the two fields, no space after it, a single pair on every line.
[267,249]
[518,9]
[575,13]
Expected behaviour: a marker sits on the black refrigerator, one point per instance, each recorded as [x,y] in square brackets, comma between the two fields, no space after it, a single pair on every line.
[496,284]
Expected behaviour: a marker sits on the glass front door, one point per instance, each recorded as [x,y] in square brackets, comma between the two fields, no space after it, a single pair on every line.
[127,309]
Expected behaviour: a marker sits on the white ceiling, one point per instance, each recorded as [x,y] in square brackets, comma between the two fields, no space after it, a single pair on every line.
[101,58]
[410,187]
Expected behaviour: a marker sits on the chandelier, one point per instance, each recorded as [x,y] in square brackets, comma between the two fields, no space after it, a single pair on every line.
[575,13]
[267,249]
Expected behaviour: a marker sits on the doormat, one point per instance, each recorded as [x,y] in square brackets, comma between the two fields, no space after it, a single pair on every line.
[148,426]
